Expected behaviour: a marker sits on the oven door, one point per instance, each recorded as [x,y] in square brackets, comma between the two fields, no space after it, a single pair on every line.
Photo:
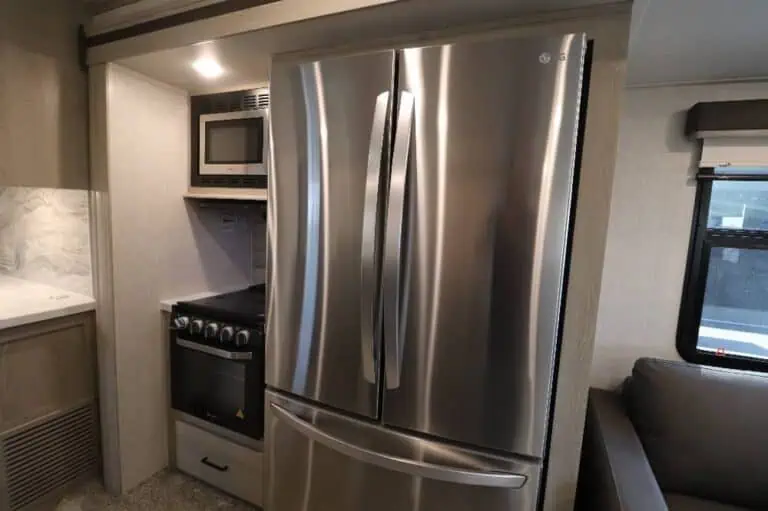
[222,387]
[234,143]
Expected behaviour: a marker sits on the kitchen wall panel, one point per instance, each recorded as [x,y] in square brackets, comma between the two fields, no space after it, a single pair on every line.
[652,208]
[43,95]
[151,244]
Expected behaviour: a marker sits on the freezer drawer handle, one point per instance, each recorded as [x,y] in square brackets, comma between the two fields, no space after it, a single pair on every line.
[221,468]
[397,464]
[393,243]
[368,270]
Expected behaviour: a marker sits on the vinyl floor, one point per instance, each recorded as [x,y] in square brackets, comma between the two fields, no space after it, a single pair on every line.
[169,491]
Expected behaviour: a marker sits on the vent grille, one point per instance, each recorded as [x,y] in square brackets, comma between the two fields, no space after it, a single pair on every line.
[50,455]
[239,101]
[233,181]
[257,101]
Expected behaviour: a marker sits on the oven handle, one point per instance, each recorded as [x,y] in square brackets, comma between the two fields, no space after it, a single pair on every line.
[216,352]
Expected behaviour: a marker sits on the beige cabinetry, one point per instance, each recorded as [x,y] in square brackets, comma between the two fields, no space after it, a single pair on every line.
[43,95]
[231,467]
[48,414]
[47,368]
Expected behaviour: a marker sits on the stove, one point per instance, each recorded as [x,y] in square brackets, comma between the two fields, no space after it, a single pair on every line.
[217,360]
[245,307]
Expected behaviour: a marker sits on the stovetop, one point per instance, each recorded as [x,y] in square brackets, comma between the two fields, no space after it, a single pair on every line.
[246,306]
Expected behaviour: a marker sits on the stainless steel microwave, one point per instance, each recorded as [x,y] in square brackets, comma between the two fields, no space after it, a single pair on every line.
[234,143]
[230,139]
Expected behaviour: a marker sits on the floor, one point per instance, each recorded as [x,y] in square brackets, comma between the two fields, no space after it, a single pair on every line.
[165,491]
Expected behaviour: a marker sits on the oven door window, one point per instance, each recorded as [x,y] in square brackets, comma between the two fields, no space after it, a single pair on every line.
[212,389]
[234,141]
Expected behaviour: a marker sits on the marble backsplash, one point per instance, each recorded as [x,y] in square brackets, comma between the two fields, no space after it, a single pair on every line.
[45,238]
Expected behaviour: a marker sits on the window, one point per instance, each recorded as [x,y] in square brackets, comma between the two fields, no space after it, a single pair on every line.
[724,309]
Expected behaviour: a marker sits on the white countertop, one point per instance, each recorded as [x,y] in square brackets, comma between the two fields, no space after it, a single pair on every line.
[23,302]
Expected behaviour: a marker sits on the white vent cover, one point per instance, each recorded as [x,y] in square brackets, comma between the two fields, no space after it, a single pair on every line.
[49,455]
[257,101]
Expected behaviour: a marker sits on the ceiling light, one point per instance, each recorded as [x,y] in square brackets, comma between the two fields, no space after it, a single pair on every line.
[208,68]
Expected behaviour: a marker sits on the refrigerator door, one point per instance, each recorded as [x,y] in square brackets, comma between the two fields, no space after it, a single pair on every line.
[330,138]
[476,236]
[319,460]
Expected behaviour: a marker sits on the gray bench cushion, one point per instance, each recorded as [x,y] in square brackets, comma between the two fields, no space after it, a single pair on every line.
[677,502]
[704,430]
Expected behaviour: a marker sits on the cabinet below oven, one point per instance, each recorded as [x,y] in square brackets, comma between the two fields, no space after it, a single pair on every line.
[226,465]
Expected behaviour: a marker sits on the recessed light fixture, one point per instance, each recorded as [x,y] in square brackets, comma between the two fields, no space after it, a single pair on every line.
[208,68]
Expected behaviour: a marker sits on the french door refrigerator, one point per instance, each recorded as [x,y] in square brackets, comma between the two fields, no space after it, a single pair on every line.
[419,205]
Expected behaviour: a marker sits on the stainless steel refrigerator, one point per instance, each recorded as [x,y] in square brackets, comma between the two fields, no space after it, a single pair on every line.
[419,205]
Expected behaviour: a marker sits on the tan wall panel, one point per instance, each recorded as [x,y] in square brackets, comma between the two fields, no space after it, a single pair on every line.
[43,95]
[652,208]
[589,238]
[151,244]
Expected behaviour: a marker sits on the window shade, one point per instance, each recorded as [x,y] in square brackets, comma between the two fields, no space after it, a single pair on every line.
[734,152]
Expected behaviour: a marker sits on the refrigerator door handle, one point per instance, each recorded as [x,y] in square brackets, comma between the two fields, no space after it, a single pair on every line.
[390,462]
[368,270]
[393,260]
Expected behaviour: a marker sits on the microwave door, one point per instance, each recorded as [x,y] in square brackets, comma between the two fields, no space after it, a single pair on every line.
[234,143]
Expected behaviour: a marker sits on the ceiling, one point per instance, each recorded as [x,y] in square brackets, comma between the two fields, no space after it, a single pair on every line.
[99,6]
[694,41]
[244,65]
[246,57]
[671,41]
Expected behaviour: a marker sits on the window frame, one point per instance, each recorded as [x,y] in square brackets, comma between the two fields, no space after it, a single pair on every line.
[702,241]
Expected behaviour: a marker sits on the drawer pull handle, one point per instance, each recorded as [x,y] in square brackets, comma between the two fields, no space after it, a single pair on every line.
[206,461]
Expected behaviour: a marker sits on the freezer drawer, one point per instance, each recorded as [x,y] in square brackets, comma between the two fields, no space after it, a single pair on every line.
[232,468]
[320,460]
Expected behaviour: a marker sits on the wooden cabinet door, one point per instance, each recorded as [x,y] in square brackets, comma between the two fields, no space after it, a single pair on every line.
[45,372]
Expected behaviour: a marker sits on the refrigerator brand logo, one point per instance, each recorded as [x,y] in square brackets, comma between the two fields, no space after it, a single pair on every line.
[546,57]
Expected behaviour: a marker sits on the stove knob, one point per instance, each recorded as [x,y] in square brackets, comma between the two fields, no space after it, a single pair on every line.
[212,331]
[180,323]
[226,335]
[196,327]
[242,338]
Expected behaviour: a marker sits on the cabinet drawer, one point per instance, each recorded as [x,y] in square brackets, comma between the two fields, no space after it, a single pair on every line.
[231,467]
